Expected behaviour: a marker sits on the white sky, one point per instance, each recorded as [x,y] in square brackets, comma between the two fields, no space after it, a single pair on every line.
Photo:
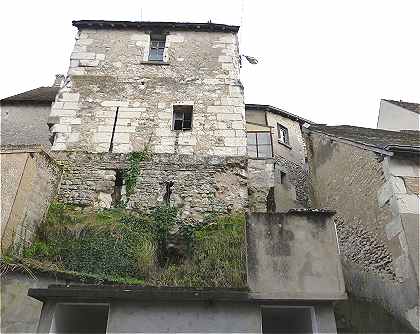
[330,61]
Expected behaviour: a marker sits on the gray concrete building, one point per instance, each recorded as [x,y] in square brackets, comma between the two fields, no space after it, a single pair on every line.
[24,116]
[276,159]
[398,115]
[371,178]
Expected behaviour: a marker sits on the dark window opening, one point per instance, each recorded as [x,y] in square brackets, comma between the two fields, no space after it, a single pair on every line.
[119,183]
[287,320]
[168,191]
[157,47]
[283,134]
[259,144]
[80,318]
[282,178]
[182,119]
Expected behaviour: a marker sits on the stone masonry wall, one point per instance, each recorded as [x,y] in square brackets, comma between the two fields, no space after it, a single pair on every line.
[355,182]
[346,179]
[109,69]
[197,185]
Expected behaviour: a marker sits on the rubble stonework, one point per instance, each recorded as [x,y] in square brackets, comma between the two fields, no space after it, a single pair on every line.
[198,185]
[109,70]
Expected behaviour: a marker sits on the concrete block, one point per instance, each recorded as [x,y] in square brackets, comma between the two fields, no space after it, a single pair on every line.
[175,38]
[385,194]
[163,149]
[408,203]
[393,228]
[224,59]
[132,109]
[114,103]
[140,37]
[229,117]
[225,151]
[105,128]
[61,128]
[123,138]
[238,125]
[220,109]
[122,148]
[83,55]
[71,105]
[102,137]
[88,63]
[70,97]
[235,141]
[85,41]
[59,147]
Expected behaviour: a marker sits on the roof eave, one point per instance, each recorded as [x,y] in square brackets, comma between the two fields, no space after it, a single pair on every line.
[269,108]
[180,26]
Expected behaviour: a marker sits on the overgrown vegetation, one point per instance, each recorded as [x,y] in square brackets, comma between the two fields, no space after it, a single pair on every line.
[156,249]
[132,172]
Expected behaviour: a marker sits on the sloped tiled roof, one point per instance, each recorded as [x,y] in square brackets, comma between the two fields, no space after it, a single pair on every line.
[415,107]
[41,94]
[378,138]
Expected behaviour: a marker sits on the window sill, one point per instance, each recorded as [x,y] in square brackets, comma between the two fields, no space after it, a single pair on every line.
[154,62]
[284,144]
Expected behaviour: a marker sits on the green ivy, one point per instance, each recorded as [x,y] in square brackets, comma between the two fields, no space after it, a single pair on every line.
[123,246]
[133,171]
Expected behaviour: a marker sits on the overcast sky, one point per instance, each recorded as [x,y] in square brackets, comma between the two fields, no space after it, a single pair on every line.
[330,61]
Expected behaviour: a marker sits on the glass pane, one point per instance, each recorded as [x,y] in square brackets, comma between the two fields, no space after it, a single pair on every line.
[264,151]
[252,151]
[263,138]
[251,139]
[178,115]
[187,125]
[178,124]
[188,115]
[160,53]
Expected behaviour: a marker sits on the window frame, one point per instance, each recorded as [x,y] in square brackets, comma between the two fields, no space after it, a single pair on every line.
[158,38]
[256,144]
[285,130]
[182,109]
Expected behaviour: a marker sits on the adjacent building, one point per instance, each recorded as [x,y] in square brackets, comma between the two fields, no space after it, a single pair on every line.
[399,115]
[276,159]
[24,116]
[371,178]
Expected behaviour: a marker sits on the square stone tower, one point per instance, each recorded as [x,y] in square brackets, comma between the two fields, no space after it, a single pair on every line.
[170,88]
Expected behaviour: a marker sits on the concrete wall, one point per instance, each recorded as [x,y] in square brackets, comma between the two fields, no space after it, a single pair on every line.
[20,313]
[200,184]
[355,182]
[109,69]
[395,118]
[29,181]
[293,256]
[25,124]
[192,317]
[135,317]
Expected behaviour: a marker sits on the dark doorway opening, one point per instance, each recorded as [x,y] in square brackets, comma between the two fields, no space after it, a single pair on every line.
[287,320]
[80,318]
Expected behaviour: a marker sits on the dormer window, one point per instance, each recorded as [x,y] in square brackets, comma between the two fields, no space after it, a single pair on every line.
[157,47]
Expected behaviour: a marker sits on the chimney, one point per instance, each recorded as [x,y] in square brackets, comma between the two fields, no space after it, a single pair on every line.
[59,78]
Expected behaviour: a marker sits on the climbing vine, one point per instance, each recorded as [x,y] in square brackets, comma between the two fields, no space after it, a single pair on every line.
[132,172]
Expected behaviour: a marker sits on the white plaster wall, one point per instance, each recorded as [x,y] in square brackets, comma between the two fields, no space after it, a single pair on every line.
[395,118]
